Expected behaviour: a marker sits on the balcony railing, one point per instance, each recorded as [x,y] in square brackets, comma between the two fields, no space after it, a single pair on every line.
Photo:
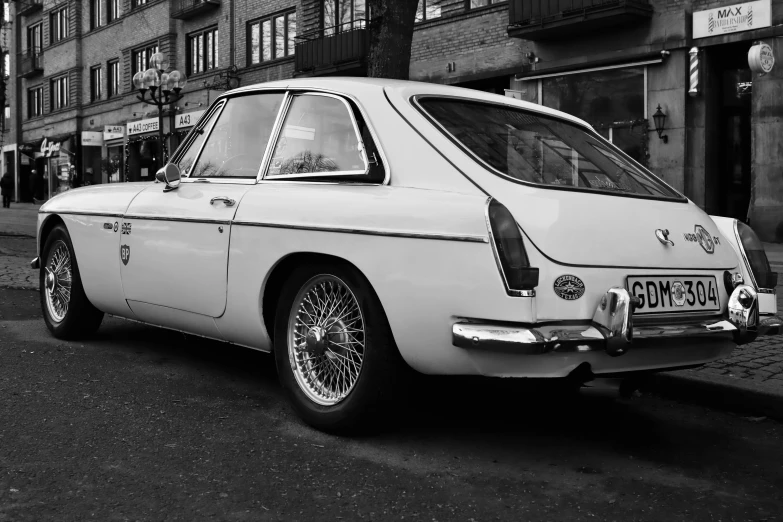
[25,7]
[30,62]
[183,9]
[342,49]
[546,19]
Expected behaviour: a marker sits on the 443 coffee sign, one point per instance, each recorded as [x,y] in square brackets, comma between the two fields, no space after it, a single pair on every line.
[761,59]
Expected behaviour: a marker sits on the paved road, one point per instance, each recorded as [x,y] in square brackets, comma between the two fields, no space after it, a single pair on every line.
[145,424]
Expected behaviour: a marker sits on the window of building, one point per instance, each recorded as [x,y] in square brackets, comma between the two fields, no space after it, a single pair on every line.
[35,38]
[472,4]
[612,100]
[6,64]
[343,15]
[59,93]
[203,51]
[113,70]
[34,102]
[58,24]
[137,3]
[112,10]
[96,13]
[141,58]
[6,11]
[96,83]
[428,10]
[273,37]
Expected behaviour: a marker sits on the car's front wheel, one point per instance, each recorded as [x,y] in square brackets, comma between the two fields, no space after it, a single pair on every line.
[67,311]
[333,348]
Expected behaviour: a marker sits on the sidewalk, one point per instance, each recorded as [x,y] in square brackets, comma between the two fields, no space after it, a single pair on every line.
[750,380]
[19,220]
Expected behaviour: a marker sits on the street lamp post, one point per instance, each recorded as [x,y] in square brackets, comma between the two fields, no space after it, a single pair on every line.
[164,88]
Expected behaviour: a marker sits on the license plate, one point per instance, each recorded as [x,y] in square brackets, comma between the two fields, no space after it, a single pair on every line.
[674,294]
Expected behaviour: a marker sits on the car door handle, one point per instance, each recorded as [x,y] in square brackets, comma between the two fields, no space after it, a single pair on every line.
[228,201]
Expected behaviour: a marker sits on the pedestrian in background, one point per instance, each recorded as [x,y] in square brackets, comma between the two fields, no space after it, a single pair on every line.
[6,187]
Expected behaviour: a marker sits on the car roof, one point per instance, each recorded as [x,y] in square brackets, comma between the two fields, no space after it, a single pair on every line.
[402,90]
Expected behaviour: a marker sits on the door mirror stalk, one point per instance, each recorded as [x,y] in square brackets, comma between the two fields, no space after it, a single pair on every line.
[170,175]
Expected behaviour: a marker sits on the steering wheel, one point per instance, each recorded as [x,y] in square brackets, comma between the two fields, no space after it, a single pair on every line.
[225,165]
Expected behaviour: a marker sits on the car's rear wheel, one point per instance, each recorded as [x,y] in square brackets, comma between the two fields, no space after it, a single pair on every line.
[67,311]
[333,348]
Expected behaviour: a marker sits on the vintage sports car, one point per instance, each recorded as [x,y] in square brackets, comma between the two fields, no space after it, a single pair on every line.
[355,226]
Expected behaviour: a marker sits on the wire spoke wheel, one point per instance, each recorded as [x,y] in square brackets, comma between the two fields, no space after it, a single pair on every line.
[326,339]
[57,282]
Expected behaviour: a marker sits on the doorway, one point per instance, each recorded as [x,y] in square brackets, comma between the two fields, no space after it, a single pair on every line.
[731,130]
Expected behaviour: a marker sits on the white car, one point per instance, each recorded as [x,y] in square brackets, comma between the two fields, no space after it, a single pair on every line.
[354,226]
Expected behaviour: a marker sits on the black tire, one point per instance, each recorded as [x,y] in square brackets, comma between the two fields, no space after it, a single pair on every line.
[370,401]
[81,318]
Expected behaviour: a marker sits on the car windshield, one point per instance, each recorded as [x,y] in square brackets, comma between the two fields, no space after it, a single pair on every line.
[542,150]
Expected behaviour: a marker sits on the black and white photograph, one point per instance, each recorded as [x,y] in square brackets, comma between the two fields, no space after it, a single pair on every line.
[375,260]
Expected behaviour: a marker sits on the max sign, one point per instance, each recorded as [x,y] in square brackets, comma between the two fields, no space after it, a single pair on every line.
[732,19]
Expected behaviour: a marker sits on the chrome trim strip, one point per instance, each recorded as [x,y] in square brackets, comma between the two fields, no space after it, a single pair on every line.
[527,340]
[414,235]
[178,219]
[686,330]
[274,136]
[81,213]
[766,291]
[540,339]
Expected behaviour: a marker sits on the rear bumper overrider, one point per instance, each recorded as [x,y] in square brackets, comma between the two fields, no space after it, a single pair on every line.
[612,330]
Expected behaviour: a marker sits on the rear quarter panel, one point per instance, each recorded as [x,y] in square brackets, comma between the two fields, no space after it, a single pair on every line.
[423,283]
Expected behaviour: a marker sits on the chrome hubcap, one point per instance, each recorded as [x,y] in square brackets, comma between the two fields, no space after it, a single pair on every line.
[57,282]
[326,340]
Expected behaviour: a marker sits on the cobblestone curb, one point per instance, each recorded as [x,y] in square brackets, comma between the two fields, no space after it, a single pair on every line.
[718,391]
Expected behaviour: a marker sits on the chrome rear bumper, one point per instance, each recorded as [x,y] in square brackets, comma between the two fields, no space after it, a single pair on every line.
[612,330]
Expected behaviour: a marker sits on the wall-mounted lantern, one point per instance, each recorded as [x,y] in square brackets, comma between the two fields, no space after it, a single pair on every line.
[660,118]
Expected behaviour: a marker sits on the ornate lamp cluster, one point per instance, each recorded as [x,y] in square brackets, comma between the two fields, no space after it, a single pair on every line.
[164,88]
[155,79]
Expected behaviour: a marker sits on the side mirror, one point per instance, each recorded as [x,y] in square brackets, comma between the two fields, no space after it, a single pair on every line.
[169,175]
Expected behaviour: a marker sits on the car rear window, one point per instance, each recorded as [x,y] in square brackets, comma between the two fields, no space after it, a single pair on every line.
[541,150]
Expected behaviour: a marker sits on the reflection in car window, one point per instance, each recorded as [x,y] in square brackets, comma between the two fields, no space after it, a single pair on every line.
[542,150]
[318,136]
[187,159]
[236,144]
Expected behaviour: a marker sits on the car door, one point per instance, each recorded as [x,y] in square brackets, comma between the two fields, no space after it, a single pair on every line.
[175,244]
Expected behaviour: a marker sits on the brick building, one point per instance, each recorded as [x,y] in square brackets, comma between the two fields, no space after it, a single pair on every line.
[611,62]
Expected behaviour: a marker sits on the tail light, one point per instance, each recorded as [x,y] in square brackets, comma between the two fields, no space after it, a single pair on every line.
[509,249]
[756,257]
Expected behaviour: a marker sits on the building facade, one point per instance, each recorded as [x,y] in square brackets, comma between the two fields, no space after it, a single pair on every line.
[612,63]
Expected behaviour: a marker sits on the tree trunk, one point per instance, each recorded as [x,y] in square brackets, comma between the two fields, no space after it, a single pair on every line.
[391,33]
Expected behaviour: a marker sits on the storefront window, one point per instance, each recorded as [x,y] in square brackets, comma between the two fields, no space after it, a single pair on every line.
[612,100]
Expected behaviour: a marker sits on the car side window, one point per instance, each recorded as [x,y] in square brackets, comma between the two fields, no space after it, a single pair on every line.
[318,136]
[200,133]
[236,143]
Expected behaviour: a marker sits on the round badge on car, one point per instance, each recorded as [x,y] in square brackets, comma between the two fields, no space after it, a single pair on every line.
[569,287]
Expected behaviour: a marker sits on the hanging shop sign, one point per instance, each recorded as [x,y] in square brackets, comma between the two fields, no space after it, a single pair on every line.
[92,139]
[761,59]
[732,19]
[187,120]
[142,126]
[50,148]
[113,132]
